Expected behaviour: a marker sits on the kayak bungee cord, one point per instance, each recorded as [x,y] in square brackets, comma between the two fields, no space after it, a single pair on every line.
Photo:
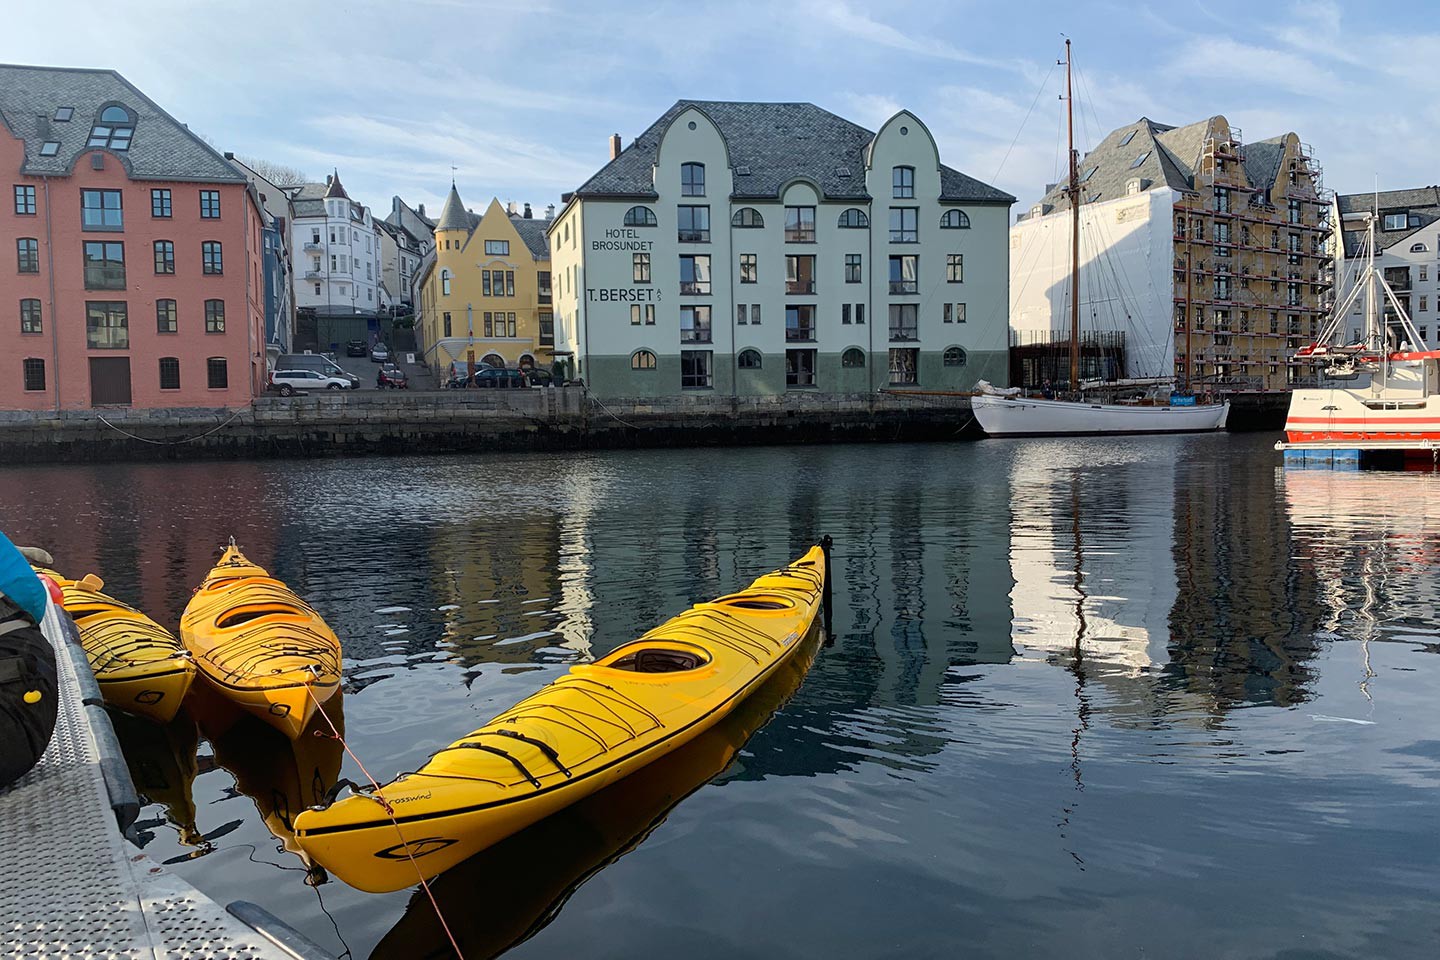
[389,812]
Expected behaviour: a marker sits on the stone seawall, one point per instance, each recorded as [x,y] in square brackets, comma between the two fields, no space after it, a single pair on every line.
[331,424]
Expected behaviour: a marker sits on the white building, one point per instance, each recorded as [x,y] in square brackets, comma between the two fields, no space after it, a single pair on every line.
[336,246]
[754,248]
[1407,241]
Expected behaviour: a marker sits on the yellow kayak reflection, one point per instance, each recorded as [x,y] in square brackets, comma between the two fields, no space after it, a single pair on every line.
[578,842]
[162,763]
[282,776]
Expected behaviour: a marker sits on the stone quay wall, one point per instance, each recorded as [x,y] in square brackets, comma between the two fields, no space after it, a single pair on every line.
[474,421]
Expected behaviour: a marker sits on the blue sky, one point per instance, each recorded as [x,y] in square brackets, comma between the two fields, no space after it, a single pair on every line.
[521,97]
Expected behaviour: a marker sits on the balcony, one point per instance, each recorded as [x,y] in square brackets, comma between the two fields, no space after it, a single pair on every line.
[314,246]
[905,334]
[804,333]
[314,275]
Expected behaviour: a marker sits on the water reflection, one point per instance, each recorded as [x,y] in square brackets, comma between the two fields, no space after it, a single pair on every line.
[1049,660]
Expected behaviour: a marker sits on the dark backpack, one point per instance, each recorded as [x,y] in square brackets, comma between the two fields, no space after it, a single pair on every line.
[29,693]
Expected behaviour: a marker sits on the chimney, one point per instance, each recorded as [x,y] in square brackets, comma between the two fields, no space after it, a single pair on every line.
[550,211]
[328,178]
[229,155]
[614,145]
[528,215]
[422,210]
[512,208]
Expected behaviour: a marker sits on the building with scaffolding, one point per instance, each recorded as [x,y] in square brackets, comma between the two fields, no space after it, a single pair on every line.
[1407,252]
[1204,257]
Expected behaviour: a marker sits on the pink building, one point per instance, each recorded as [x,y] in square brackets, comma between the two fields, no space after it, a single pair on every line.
[132,252]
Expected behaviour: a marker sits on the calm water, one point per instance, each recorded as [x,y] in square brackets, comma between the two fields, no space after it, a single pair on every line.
[1084,698]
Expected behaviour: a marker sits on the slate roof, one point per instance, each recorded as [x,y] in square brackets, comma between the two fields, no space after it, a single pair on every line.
[308,199]
[1171,156]
[336,190]
[532,231]
[411,219]
[776,142]
[1423,202]
[163,148]
[452,215]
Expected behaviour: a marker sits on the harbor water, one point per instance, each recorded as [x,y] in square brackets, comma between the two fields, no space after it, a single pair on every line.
[1083,698]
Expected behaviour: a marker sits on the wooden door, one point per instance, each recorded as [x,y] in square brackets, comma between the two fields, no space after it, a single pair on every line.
[109,380]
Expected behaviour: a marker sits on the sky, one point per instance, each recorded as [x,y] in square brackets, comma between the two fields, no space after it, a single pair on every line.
[518,99]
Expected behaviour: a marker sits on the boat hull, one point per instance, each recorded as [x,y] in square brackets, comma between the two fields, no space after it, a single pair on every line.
[139,665]
[593,726]
[1028,417]
[260,645]
[1342,416]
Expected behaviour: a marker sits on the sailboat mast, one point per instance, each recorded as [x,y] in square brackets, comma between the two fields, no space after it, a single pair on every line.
[1074,192]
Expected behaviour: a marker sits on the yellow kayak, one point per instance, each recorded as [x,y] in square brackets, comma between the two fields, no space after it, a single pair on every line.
[591,727]
[140,666]
[260,645]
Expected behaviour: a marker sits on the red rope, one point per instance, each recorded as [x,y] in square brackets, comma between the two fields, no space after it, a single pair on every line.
[389,812]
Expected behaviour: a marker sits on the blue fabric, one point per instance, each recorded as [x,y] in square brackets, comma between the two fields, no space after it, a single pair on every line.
[18,581]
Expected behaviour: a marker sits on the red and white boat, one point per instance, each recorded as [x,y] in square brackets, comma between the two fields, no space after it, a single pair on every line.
[1379,394]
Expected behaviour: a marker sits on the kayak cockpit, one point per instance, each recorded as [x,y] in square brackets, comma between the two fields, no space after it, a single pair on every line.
[656,656]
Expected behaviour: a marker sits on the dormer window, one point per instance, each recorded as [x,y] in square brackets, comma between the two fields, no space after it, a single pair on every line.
[114,129]
[1395,221]
[692,179]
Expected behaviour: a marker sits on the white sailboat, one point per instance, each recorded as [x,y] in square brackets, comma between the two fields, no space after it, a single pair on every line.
[1006,413]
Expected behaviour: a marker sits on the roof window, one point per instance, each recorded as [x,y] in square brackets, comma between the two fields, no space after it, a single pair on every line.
[114,128]
[49,148]
[1089,173]
[1128,137]
[1140,159]
[63,114]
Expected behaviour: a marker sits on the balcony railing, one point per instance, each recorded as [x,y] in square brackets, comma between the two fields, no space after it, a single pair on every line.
[314,246]
[695,287]
[693,236]
[905,333]
[796,286]
[695,334]
[904,286]
[800,334]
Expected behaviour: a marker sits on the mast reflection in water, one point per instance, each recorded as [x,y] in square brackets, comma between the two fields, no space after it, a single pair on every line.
[1086,698]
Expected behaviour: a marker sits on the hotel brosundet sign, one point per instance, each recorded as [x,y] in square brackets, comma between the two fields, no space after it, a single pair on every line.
[623,240]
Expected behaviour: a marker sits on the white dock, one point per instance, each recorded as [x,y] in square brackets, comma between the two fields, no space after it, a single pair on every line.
[73,886]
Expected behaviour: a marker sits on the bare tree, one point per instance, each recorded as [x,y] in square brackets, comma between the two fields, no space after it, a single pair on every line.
[276,173]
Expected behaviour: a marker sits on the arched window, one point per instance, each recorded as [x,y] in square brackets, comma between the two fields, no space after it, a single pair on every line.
[854,217]
[639,217]
[642,360]
[445,281]
[747,217]
[525,362]
[493,360]
[1417,248]
[955,220]
[903,179]
[748,360]
[854,357]
[692,179]
[954,357]
[113,129]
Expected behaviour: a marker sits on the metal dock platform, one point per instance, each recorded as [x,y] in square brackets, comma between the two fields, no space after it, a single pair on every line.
[73,886]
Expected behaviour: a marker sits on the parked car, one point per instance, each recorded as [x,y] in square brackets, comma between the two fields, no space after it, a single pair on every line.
[355,348]
[319,363]
[500,378]
[379,353]
[289,381]
[539,378]
[391,376]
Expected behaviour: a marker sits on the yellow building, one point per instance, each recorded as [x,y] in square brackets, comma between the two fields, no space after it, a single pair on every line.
[485,291]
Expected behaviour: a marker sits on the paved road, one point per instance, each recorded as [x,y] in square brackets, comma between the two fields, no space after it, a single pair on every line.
[366,369]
